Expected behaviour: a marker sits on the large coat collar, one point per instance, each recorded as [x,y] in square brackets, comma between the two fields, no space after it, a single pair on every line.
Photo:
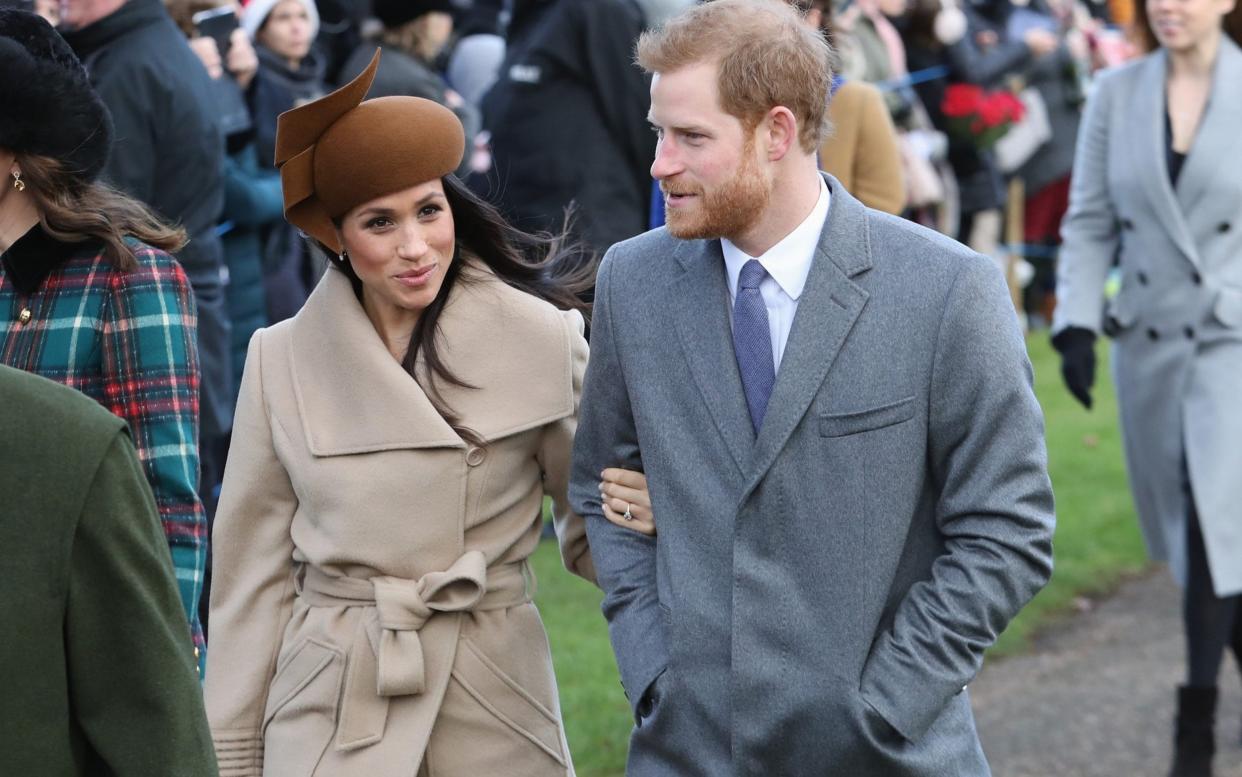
[355,398]
[131,16]
[1216,136]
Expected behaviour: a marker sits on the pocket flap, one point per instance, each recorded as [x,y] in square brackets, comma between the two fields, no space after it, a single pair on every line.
[841,424]
[1228,308]
[492,688]
[303,665]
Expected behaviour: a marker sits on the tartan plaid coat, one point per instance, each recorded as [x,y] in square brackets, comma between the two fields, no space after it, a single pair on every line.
[127,340]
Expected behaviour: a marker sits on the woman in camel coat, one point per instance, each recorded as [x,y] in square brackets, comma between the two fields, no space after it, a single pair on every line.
[371,604]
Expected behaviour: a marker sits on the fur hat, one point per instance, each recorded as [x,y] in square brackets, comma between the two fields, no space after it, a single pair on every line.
[50,108]
[338,152]
[257,11]
[395,13]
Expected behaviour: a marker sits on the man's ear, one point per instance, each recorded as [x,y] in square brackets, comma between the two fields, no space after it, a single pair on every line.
[781,130]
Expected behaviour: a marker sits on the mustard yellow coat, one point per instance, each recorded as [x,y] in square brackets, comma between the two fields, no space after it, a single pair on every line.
[862,151]
[370,609]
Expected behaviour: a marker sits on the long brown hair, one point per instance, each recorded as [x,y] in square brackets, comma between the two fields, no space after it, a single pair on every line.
[74,211]
[553,268]
[1146,38]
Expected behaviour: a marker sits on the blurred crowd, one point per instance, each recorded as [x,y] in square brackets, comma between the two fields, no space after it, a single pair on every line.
[555,114]
[964,116]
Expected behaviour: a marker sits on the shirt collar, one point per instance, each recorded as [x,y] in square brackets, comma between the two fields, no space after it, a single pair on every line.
[789,261]
[33,256]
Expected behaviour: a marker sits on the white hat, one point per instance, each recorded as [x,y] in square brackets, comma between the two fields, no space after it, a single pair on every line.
[257,12]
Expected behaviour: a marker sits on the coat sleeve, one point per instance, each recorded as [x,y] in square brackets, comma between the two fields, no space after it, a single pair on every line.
[994,511]
[252,195]
[878,180]
[150,368]
[1089,231]
[625,561]
[133,675]
[554,460]
[252,579]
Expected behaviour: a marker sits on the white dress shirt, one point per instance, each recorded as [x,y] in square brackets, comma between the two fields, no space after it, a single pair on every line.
[787,264]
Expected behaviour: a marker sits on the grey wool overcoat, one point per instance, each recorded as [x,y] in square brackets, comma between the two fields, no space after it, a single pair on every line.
[1177,318]
[816,598]
[371,604]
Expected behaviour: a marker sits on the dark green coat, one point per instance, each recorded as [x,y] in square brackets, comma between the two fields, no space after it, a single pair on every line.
[96,665]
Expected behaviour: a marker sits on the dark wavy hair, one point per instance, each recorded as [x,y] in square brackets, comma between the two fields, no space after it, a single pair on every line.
[554,268]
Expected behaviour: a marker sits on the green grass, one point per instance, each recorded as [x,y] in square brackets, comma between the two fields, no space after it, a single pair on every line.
[1097,542]
[1097,545]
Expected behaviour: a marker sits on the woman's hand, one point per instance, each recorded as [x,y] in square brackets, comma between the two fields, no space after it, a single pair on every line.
[626,500]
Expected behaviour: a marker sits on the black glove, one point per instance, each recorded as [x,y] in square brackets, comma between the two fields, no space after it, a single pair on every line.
[1077,348]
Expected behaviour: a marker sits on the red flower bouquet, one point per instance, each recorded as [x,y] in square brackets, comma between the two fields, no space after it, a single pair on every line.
[980,117]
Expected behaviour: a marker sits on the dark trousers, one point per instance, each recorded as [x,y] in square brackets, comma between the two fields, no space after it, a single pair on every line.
[1211,621]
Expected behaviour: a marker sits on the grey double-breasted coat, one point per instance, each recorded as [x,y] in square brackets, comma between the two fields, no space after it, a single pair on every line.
[1177,318]
[816,598]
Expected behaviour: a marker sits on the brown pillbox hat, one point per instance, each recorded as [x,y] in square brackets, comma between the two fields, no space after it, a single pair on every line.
[338,152]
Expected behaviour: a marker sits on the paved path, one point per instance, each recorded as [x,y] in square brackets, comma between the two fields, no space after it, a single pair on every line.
[1095,697]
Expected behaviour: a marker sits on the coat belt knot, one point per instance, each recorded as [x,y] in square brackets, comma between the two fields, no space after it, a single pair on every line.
[403,607]
[390,657]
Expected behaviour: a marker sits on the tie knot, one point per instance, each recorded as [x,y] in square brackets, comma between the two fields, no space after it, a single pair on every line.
[752,275]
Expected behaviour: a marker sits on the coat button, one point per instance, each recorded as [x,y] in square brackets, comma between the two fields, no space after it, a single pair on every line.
[475,456]
[1127,224]
[1197,278]
[1142,278]
[24,316]
[1190,332]
[1223,228]
[1152,334]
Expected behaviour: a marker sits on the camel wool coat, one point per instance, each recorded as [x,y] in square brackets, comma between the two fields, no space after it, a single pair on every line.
[370,608]
[862,150]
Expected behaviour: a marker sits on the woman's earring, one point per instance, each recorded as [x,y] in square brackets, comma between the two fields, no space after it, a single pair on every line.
[18,183]
[345,256]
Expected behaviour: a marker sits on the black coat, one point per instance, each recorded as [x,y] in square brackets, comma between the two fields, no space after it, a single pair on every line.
[169,152]
[568,120]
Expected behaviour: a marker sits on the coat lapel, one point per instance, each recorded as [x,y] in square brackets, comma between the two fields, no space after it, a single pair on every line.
[1150,153]
[700,301]
[1218,132]
[830,304]
[353,397]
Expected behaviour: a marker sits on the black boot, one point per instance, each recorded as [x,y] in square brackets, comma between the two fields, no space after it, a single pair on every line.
[1195,741]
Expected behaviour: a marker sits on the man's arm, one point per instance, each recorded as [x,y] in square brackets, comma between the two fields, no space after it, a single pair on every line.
[625,561]
[994,508]
[133,674]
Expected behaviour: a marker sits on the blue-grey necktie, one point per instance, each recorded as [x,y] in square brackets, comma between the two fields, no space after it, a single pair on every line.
[752,341]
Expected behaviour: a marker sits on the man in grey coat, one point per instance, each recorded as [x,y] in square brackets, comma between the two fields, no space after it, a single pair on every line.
[834,412]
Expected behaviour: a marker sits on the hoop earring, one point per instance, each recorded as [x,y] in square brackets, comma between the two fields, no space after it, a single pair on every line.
[18,183]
